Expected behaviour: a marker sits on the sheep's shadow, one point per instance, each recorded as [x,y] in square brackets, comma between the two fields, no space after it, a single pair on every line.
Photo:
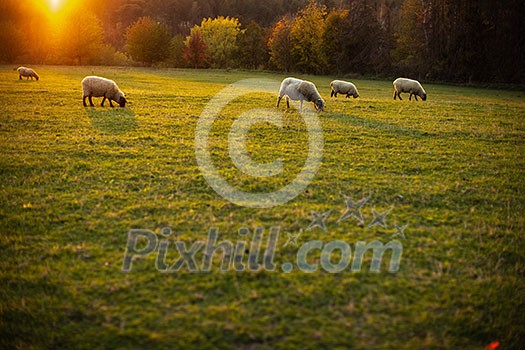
[381,126]
[112,120]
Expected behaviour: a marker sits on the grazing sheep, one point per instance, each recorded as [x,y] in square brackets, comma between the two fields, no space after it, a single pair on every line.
[102,87]
[413,87]
[302,90]
[26,72]
[343,87]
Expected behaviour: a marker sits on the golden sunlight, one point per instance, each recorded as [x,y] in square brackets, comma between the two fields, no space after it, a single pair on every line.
[57,10]
[55,5]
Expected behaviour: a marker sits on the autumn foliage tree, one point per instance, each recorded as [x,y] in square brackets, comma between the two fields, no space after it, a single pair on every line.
[220,35]
[333,43]
[148,41]
[280,45]
[306,37]
[195,51]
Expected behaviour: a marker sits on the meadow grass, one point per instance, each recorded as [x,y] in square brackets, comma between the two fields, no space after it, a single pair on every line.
[74,180]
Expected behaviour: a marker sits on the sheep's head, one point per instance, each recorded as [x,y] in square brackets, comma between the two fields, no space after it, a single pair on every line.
[356,95]
[423,96]
[319,105]
[122,101]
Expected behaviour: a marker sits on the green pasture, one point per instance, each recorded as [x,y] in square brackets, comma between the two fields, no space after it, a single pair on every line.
[75,180]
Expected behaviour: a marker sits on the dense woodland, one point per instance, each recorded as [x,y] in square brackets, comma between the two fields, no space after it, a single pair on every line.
[446,40]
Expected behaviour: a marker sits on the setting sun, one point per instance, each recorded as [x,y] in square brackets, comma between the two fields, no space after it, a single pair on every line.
[54,4]
[53,7]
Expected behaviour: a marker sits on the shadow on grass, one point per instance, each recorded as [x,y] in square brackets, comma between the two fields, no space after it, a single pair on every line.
[381,126]
[112,120]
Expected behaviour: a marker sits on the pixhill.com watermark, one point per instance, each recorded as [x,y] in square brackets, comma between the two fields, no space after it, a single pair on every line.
[249,254]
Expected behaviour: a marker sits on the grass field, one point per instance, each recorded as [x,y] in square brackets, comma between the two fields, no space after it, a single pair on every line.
[75,180]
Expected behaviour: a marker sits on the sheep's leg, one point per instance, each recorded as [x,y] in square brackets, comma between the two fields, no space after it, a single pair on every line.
[399,95]
[110,103]
[415,96]
[287,102]
[84,101]
[20,77]
[103,100]
[332,93]
[301,108]
[278,101]
[410,97]
[91,101]
[395,94]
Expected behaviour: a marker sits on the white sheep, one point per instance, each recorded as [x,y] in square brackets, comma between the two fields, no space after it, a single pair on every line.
[413,87]
[101,87]
[302,90]
[343,87]
[27,72]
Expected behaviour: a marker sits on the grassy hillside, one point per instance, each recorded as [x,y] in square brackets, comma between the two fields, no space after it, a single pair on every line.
[75,180]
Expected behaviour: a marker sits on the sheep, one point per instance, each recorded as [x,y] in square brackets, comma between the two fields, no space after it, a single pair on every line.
[26,72]
[302,90]
[343,87]
[101,87]
[411,86]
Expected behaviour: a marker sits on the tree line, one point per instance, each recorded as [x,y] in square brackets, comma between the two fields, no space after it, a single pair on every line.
[448,40]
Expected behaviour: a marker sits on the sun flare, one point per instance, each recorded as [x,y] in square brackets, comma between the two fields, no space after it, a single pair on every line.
[55,5]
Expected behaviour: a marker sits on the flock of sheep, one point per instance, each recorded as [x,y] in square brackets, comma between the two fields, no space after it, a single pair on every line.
[302,90]
[291,88]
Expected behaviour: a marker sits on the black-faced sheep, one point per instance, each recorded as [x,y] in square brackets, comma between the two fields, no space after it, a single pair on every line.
[302,90]
[101,87]
[27,72]
[413,87]
[343,87]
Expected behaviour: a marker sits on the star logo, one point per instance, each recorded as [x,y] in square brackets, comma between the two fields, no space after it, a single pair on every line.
[319,220]
[380,218]
[400,231]
[354,209]
[292,239]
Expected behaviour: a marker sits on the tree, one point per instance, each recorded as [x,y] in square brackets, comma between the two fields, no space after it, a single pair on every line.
[306,36]
[195,51]
[411,39]
[148,41]
[80,37]
[176,54]
[13,42]
[220,35]
[280,45]
[253,52]
[333,43]
[365,39]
